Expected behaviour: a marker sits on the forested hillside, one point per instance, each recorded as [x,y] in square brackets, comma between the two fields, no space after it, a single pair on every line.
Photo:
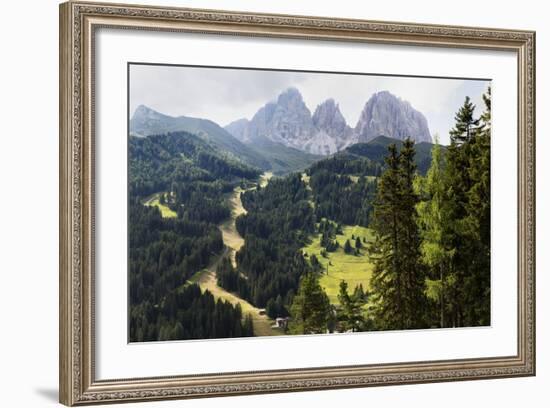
[264,154]
[277,224]
[190,178]
[384,235]
[422,262]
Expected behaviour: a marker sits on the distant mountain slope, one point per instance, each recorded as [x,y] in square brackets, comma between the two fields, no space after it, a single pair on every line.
[147,122]
[157,162]
[284,159]
[265,154]
[377,149]
[368,159]
[239,129]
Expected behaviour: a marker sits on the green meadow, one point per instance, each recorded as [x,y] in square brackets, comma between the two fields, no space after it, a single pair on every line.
[165,211]
[338,266]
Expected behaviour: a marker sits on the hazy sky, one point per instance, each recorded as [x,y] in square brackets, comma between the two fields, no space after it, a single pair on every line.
[224,95]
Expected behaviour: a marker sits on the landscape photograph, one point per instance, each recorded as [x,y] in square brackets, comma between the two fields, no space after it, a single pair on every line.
[274,202]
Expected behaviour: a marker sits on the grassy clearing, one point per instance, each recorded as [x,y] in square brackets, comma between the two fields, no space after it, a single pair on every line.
[264,178]
[231,238]
[355,179]
[165,211]
[206,279]
[354,269]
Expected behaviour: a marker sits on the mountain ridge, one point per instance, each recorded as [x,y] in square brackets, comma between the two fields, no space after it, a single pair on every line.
[288,121]
[280,159]
[377,150]
[148,122]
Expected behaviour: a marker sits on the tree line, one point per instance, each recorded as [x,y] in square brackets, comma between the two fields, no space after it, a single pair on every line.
[341,198]
[431,251]
[278,221]
[164,253]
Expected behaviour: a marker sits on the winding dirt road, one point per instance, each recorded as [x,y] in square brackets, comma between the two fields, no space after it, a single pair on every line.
[206,278]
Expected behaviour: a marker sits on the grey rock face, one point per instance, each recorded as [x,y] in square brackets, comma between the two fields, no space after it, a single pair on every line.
[386,115]
[239,129]
[331,128]
[288,121]
[327,116]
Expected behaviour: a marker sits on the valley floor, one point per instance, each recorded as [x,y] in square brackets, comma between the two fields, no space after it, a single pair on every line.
[206,279]
[165,211]
[233,241]
[354,269]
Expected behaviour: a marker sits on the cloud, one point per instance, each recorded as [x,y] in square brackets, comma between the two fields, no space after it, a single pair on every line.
[224,95]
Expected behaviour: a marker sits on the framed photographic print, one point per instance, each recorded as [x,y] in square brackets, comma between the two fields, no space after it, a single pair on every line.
[256,203]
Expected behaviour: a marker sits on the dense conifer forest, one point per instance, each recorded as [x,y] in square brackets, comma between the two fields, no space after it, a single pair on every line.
[164,253]
[413,220]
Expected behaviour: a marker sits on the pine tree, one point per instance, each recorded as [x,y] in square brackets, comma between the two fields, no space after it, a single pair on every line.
[412,268]
[359,293]
[467,179]
[248,327]
[466,125]
[457,183]
[350,315]
[432,220]
[398,277]
[478,222]
[347,247]
[384,251]
[315,264]
[479,199]
[178,332]
[310,310]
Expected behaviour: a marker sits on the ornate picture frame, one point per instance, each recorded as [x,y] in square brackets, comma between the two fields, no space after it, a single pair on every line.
[78,24]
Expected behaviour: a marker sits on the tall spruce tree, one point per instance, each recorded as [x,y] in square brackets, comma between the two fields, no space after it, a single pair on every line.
[386,282]
[432,220]
[412,268]
[457,182]
[466,125]
[310,310]
[467,173]
[347,247]
[478,222]
[350,316]
[398,279]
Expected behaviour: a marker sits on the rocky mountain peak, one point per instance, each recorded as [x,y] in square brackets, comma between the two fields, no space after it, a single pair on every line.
[290,96]
[386,114]
[328,117]
[288,121]
[144,112]
[239,129]
[145,118]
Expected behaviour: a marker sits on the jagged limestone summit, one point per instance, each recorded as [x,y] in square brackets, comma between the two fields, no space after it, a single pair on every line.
[288,121]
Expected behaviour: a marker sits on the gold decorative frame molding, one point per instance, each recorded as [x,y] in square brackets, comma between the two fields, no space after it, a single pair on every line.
[78,22]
